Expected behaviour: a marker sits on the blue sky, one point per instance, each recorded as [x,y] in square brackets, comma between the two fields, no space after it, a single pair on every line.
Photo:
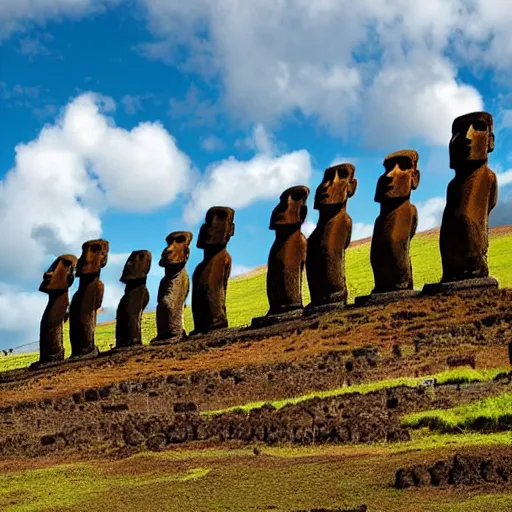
[128,119]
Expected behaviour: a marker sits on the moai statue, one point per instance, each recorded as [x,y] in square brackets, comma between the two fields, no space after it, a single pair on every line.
[134,300]
[173,289]
[325,261]
[88,298]
[471,196]
[395,226]
[287,257]
[210,278]
[56,282]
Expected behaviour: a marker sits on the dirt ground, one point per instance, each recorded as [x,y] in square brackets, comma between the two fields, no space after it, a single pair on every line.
[410,338]
[235,479]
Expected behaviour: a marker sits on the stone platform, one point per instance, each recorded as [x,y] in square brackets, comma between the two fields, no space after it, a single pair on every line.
[168,341]
[310,309]
[466,285]
[377,299]
[265,321]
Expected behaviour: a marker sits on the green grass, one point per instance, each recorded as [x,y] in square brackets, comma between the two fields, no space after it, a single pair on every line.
[457,376]
[234,479]
[493,413]
[246,296]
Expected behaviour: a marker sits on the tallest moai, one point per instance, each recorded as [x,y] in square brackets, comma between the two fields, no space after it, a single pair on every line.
[472,194]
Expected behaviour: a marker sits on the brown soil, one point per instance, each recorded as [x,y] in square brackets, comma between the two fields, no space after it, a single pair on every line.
[428,331]
[125,400]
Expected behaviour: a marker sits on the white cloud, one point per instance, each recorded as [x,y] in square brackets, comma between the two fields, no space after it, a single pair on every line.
[361,230]
[388,65]
[212,143]
[20,309]
[504,178]
[419,97]
[338,159]
[238,270]
[132,104]
[16,15]
[51,200]
[114,290]
[238,184]
[430,213]
[308,227]
[118,258]
[20,315]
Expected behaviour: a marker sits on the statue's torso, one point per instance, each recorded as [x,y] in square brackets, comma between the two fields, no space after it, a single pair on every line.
[129,316]
[389,253]
[209,290]
[464,229]
[82,316]
[284,274]
[325,262]
[172,293]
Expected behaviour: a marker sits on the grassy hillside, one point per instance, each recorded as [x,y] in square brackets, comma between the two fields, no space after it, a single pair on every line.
[247,297]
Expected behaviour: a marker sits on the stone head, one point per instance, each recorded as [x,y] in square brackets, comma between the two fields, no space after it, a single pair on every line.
[218,227]
[61,274]
[94,257]
[177,250]
[337,186]
[472,138]
[292,209]
[137,266]
[401,176]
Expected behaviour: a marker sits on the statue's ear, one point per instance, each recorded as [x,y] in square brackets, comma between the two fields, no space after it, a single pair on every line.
[232,232]
[352,187]
[187,252]
[303,212]
[415,179]
[490,148]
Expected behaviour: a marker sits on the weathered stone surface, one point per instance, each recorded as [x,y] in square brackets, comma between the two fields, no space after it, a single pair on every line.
[474,285]
[471,196]
[466,470]
[287,255]
[210,278]
[134,300]
[325,261]
[173,289]
[88,298]
[265,321]
[396,224]
[56,282]
[379,299]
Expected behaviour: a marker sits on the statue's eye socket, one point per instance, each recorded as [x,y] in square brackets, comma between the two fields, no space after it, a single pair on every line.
[389,165]
[480,126]
[405,163]
[330,175]
[296,196]
[180,239]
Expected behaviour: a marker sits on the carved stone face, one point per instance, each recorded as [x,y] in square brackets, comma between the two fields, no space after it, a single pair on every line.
[137,266]
[177,250]
[60,275]
[400,177]
[291,209]
[472,138]
[218,227]
[337,186]
[94,257]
